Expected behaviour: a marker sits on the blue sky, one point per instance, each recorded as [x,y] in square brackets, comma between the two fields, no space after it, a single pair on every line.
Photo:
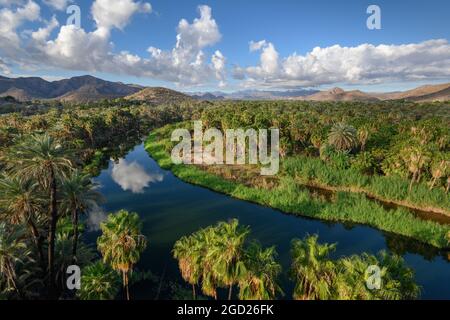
[290,28]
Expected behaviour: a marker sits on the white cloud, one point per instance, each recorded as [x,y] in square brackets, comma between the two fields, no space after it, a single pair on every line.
[58,4]
[117,13]
[76,49]
[11,19]
[4,69]
[8,3]
[43,33]
[218,62]
[363,64]
[255,46]
[132,176]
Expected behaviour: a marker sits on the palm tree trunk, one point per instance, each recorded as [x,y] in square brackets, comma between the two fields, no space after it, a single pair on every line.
[193,292]
[433,182]
[75,235]
[37,240]
[230,292]
[412,181]
[52,236]
[126,286]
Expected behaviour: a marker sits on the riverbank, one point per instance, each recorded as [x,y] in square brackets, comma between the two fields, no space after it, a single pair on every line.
[394,190]
[289,197]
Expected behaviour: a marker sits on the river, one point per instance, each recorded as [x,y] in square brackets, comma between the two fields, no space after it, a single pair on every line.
[171,208]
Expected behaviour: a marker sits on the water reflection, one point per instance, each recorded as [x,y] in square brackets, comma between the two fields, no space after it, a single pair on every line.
[172,209]
[95,216]
[132,176]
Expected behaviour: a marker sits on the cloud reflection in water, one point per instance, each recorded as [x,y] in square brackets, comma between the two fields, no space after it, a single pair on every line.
[132,176]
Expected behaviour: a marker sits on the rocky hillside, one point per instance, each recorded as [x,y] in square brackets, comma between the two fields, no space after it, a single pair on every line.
[159,95]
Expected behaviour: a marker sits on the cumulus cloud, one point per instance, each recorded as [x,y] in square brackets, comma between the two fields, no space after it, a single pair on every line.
[11,19]
[108,14]
[363,64]
[77,49]
[4,69]
[58,4]
[132,176]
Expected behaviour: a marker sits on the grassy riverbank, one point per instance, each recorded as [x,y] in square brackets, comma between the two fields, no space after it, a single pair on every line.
[290,197]
[314,172]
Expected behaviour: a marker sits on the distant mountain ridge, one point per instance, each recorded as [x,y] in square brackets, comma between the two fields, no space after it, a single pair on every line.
[439,92]
[253,94]
[79,89]
[88,88]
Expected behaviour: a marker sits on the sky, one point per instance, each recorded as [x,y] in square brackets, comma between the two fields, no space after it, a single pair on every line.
[230,45]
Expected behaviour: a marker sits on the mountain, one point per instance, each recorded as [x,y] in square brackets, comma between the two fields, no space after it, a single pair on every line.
[338,94]
[78,89]
[439,92]
[207,96]
[159,95]
[88,88]
[253,95]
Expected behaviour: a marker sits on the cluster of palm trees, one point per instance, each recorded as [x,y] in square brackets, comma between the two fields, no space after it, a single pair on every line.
[40,186]
[383,139]
[219,257]
[317,276]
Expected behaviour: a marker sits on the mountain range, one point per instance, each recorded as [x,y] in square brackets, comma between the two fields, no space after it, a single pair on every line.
[77,89]
[88,88]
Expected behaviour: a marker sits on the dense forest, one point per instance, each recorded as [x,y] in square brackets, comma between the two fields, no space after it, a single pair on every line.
[396,152]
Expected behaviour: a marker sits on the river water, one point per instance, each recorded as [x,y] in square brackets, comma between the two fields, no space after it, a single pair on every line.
[171,208]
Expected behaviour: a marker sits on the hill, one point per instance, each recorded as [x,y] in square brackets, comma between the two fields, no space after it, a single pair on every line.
[337,94]
[159,95]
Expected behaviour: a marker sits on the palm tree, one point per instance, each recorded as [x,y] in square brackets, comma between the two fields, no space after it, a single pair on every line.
[351,277]
[41,158]
[98,282]
[78,197]
[121,243]
[398,279]
[415,158]
[204,240]
[311,268]
[363,135]
[12,251]
[227,254]
[21,202]
[63,251]
[188,258]
[261,272]
[438,170]
[342,137]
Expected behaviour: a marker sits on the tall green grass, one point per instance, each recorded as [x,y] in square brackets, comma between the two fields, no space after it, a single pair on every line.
[289,197]
[391,188]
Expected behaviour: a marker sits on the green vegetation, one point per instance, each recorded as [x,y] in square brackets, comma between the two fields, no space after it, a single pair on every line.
[98,282]
[203,261]
[122,243]
[218,257]
[319,277]
[291,197]
[394,151]
[45,186]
